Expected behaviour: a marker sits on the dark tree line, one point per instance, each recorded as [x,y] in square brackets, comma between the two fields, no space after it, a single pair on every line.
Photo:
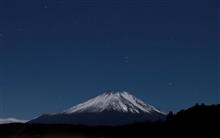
[199,120]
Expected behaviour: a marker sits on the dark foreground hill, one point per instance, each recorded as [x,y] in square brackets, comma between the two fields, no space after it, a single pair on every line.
[199,120]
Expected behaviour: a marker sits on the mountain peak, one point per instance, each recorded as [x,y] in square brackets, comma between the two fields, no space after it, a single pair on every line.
[114,92]
[113,101]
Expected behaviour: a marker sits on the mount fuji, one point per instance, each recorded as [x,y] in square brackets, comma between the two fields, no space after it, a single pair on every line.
[109,108]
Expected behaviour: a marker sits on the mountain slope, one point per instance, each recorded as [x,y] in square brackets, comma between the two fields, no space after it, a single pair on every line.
[110,108]
[11,120]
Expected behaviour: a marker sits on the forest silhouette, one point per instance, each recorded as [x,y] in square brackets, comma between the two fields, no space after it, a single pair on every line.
[199,120]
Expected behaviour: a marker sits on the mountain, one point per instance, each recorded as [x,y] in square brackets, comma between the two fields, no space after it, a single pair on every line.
[109,108]
[11,120]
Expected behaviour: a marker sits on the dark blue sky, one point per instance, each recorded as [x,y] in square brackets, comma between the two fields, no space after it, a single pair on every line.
[58,53]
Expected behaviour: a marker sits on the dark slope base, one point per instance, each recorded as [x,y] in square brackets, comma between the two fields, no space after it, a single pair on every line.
[94,119]
[196,121]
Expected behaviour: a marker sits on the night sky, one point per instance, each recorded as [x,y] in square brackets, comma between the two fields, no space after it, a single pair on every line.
[58,53]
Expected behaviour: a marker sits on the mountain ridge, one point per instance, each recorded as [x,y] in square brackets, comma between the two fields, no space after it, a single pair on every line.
[109,108]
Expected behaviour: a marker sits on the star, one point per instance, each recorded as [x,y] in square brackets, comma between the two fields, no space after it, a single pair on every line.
[45,3]
[170,84]
[45,6]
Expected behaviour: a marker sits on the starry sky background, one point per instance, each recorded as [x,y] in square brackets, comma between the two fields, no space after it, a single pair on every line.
[58,53]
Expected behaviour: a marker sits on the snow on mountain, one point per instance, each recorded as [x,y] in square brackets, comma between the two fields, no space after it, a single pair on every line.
[113,101]
[11,120]
[109,108]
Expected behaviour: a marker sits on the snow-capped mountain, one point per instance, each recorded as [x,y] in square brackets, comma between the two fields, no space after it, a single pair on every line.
[109,108]
[113,101]
[11,120]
